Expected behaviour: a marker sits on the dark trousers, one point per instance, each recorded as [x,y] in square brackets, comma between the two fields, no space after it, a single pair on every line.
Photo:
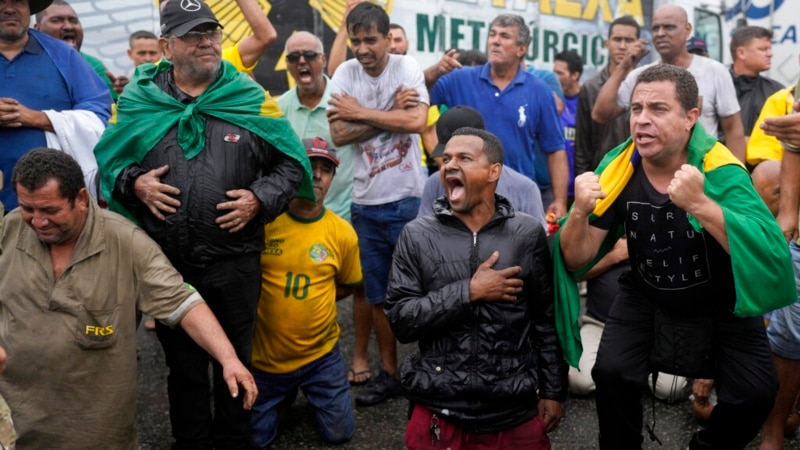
[231,288]
[744,375]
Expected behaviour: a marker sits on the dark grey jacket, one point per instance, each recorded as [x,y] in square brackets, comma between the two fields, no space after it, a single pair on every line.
[481,362]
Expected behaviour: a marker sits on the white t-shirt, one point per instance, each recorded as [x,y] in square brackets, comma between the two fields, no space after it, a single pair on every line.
[386,167]
[715,86]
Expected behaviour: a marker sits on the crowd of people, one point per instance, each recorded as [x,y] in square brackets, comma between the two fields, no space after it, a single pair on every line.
[459,207]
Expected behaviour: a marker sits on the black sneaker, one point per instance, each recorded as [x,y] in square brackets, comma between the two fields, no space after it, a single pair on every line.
[384,386]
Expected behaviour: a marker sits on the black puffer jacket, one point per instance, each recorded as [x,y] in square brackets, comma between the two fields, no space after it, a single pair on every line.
[233,158]
[479,364]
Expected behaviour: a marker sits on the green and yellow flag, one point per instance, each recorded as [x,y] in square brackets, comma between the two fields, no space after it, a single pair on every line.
[762,268]
[145,113]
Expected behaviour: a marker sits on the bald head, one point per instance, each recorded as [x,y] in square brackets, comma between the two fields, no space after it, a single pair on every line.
[766,180]
[673,11]
[308,40]
[671,29]
[305,61]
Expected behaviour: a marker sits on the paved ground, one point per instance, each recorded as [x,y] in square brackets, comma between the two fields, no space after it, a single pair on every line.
[381,427]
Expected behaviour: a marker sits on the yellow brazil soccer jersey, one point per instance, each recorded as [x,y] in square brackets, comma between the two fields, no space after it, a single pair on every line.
[303,262]
[232,55]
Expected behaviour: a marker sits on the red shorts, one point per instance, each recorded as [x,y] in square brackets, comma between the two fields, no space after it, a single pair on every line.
[528,435]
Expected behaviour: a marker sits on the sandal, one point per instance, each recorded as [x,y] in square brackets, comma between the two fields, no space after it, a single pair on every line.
[353,377]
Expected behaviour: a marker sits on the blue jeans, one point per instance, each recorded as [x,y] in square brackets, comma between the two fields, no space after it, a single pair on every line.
[324,383]
[378,227]
[784,325]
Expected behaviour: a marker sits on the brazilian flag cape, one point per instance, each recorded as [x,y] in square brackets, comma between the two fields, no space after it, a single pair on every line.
[145,113]
[762,267]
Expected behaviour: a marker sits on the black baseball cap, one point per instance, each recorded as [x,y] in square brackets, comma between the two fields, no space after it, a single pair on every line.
[36,6]
[453,119]
[180,16]
[319,148]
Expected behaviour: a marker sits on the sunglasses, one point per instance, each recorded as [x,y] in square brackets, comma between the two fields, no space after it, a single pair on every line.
[308,55]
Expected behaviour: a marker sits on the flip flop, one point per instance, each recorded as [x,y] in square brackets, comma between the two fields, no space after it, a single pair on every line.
[353,375]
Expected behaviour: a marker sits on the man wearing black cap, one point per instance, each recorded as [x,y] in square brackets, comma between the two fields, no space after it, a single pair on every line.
[520,190]
[311,261]
[203,157]
[49,97]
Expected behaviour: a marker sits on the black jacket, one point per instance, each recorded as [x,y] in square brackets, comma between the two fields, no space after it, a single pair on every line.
[233,158]
[479,364]
[752,92]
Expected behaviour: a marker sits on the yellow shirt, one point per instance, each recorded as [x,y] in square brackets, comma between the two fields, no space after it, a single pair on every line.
[433,117]
[761,147]
[303,262]
[232,55]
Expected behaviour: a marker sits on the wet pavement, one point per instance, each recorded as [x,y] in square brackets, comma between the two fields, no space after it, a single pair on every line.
[382,426]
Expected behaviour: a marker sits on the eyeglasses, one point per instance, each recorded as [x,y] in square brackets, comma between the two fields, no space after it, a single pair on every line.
[308,55]
[196,37]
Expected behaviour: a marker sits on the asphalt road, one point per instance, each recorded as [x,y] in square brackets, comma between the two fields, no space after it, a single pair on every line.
[382,426]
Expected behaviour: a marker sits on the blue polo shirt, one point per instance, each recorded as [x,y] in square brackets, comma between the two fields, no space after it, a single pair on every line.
[520,115]
[40,82]
[541,169]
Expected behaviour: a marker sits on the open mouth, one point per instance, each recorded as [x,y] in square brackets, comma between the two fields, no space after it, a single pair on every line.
[644,138]
[455,189]
[304,75]
[68,37]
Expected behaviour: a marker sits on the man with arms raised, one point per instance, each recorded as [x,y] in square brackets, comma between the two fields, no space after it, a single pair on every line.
[703,249]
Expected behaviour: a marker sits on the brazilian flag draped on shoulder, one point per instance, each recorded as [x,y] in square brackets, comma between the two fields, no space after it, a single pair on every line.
[760,258]
[145,113]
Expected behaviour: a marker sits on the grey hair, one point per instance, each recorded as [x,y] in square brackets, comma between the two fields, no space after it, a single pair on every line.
[513,20]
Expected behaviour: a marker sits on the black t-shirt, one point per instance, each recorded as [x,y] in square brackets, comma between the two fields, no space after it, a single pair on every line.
[674,264]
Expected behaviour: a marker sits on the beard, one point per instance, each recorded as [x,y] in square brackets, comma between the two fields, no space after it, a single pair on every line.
[202,73]
[8,36]
[196,70]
